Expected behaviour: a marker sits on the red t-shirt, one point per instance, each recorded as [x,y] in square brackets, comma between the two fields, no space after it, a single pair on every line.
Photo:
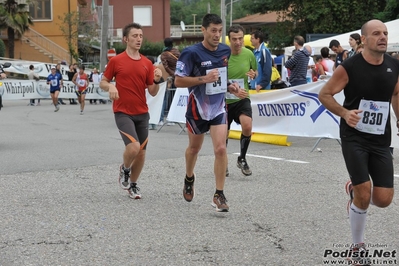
[132,77]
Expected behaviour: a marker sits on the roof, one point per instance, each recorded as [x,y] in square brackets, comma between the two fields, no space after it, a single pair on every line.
[258,18]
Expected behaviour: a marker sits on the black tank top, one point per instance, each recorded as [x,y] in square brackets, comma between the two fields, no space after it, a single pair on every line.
[339,59]
[369,82]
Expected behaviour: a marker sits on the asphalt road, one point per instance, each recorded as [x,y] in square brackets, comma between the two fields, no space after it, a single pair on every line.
[60,203]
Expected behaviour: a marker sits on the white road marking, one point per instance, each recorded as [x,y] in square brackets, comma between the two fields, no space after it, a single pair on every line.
[273,158]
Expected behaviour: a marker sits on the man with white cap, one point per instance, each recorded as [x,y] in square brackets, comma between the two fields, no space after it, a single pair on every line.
[55,82]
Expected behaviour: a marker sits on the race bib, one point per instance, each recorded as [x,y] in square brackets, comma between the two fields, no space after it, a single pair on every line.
[54,82]
[231,96]
[82,83]
[219,86]
[374,117]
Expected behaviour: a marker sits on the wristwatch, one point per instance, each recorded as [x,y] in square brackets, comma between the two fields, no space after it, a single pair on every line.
[160,81]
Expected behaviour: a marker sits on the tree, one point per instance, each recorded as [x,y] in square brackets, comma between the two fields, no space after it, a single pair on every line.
[77,34]
[16,19]
[70,28]
[300,17]
[390,12]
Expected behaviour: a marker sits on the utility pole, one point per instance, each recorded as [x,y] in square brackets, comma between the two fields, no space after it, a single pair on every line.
[104,35]
[69,31]
[223,16]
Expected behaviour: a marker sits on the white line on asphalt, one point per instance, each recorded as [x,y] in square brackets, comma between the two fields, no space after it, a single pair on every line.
[273,158]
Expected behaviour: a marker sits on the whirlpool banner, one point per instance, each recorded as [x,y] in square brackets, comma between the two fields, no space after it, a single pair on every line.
[16,89]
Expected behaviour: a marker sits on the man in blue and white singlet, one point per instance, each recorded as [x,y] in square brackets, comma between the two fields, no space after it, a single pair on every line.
[55,82]
[202,68]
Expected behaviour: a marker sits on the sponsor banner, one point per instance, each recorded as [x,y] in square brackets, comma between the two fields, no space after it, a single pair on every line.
[42,69]
[177,110]
[155,104]
[294,111]
[16,89]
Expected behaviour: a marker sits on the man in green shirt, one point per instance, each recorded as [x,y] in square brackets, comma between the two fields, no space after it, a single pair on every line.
[242,65]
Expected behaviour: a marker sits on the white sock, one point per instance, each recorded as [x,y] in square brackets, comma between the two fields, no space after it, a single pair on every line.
[357,219]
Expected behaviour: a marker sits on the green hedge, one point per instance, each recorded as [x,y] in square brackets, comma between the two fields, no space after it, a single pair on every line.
[2,48]
[147,48]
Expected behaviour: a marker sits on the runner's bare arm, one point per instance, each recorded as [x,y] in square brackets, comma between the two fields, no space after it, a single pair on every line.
[154,88]
[333,86]
[106,85]
[185,82]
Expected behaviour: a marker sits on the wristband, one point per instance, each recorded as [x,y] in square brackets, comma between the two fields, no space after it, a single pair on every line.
[160,81]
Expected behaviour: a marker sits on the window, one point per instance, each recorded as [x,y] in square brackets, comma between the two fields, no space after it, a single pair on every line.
[40,10]
[142,15]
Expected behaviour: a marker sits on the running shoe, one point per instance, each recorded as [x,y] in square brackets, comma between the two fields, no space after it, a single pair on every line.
[124,178]
[349,191]
[57,108]
[243,165]
[134,191]
[219,203]
[81,112]
[188,189]
[359,255]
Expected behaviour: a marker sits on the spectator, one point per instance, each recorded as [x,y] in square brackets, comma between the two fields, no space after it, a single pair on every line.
[298,63]
[354,42]
[169,58]
[264,59]
[58,70]
[72,71]
[326,62]
[341,53]
[33,76]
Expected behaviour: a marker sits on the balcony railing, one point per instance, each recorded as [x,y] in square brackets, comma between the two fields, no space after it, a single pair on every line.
[190,30]
[47,46]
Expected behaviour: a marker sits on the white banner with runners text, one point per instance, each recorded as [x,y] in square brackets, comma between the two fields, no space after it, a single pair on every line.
[294,111]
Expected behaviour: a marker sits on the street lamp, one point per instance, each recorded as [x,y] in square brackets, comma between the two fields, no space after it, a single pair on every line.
[223,16]
[223,7]
[194,21]
[231,10]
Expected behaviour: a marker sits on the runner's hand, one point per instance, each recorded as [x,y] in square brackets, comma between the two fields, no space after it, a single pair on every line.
[113,92]
[157,74]
[352,118]
[212,76]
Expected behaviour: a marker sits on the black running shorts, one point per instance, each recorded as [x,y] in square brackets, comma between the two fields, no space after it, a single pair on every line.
[200,126]
[133,128]
[234,110]
[365,161]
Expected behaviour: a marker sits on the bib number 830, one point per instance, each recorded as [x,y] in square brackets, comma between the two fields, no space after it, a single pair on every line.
[372,118]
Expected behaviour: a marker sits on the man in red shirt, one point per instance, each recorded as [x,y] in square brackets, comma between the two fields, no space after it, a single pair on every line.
[133,73]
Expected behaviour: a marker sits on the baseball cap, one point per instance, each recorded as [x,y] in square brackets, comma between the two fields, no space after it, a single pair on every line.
[53,67]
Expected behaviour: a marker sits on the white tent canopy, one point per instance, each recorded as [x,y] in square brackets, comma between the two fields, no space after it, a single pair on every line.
[393,40]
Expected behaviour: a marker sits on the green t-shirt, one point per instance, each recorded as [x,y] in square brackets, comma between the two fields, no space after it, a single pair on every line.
[238,66]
